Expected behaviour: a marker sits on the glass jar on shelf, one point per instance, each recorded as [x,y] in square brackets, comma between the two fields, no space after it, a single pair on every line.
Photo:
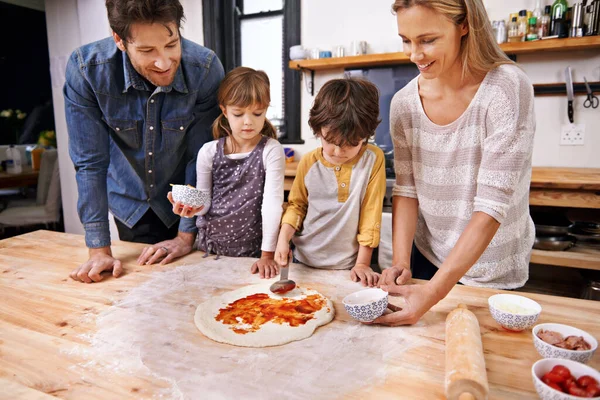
[533,31]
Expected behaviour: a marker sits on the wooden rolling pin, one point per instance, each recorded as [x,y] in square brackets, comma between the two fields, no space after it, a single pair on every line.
[466,378]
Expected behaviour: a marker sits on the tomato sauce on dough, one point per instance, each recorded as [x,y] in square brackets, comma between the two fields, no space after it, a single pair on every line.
[258,309]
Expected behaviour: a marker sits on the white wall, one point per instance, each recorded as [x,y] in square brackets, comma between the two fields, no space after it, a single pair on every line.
[373,21]
[70,24]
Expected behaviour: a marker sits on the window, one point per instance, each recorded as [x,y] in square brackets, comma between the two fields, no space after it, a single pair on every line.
[261,37]
[258,34]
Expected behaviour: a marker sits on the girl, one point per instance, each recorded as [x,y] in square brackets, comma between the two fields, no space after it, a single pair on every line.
[244,170]
[463,140]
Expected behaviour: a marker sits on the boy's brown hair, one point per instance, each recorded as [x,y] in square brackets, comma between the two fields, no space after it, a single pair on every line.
[348,108]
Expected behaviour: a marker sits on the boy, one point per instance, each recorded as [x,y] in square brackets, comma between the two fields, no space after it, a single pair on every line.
[334,212]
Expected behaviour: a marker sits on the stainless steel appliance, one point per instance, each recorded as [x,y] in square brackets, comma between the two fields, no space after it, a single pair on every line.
[577,20]
[592,18]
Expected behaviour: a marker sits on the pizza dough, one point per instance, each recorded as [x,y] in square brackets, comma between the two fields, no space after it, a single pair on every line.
[252,316]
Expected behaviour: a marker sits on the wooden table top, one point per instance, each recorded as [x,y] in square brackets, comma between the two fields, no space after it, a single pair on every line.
[43,314]
[27,177]
[566,178]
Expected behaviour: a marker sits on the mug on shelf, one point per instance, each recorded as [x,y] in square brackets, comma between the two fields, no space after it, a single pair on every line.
[297,53]
[339,51]
[358,47]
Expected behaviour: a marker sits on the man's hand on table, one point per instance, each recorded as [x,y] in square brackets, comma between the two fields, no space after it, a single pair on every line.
[100,260]
[167,250]
[418,300]
[395,276]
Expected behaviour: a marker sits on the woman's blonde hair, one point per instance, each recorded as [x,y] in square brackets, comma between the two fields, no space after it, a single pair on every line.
[479,51]
[243,87]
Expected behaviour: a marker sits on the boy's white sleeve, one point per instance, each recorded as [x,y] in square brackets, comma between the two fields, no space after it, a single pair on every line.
[204,165]
[274,161]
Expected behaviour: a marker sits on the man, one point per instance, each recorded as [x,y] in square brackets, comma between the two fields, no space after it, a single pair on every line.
[139,106]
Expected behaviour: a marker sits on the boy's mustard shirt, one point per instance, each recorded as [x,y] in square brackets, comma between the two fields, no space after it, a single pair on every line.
[334,208]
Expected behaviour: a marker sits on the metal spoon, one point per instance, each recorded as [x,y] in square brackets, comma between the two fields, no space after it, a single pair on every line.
[283,285]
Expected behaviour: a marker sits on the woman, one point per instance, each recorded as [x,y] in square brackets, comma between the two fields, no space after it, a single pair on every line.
[463,138]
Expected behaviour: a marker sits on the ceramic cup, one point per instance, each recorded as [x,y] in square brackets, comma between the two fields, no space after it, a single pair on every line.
[297,53]
[367,304]
[514,312]
[190,196]
[547,350]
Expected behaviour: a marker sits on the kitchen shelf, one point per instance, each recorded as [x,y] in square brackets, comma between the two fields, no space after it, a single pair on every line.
[572,258]
[373,60]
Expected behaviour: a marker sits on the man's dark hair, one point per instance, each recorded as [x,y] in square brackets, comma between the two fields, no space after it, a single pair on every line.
[348,108]
[123,13]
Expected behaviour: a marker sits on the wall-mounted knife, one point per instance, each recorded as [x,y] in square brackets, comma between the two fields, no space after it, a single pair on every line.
[570,95]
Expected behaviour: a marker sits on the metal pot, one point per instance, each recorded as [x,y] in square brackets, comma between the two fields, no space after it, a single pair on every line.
[591,291]
[554,243]
[551,230]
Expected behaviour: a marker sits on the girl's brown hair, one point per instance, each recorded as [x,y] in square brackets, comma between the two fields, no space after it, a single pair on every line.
[243,87]
[479,51]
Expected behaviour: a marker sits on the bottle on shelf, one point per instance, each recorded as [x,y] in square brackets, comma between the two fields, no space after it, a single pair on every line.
[533,33]
[544,23]
[559,18]
[522,24]
[501,32]
[537,11]
[13,160]
[513,30]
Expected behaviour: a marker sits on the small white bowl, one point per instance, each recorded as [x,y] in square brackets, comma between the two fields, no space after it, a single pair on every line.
[367,304]
[514,312]
[547,350]
[190,196]
[297,52]
[544,365]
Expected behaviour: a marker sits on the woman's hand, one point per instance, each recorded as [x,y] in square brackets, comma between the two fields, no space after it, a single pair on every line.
[418,300]
[266,266]
[364,274]
[395,276]
[182,210]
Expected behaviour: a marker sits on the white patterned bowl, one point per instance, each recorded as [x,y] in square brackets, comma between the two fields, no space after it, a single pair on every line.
[547,350]
[190,196]
[544,365]
[297,53]
[367,304]
[514,312]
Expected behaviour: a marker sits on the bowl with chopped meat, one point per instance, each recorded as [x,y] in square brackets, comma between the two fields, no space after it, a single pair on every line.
[564,341]
[560,379]
[513,312]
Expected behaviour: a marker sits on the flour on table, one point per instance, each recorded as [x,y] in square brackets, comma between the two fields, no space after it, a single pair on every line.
[151,333]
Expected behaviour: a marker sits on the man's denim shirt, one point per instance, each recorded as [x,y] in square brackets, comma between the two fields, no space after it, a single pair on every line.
[128,142]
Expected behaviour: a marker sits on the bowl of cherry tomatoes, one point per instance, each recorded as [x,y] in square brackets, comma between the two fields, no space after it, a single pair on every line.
[560,379]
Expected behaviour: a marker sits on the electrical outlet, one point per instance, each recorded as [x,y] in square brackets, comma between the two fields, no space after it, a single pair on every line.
[572,135]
